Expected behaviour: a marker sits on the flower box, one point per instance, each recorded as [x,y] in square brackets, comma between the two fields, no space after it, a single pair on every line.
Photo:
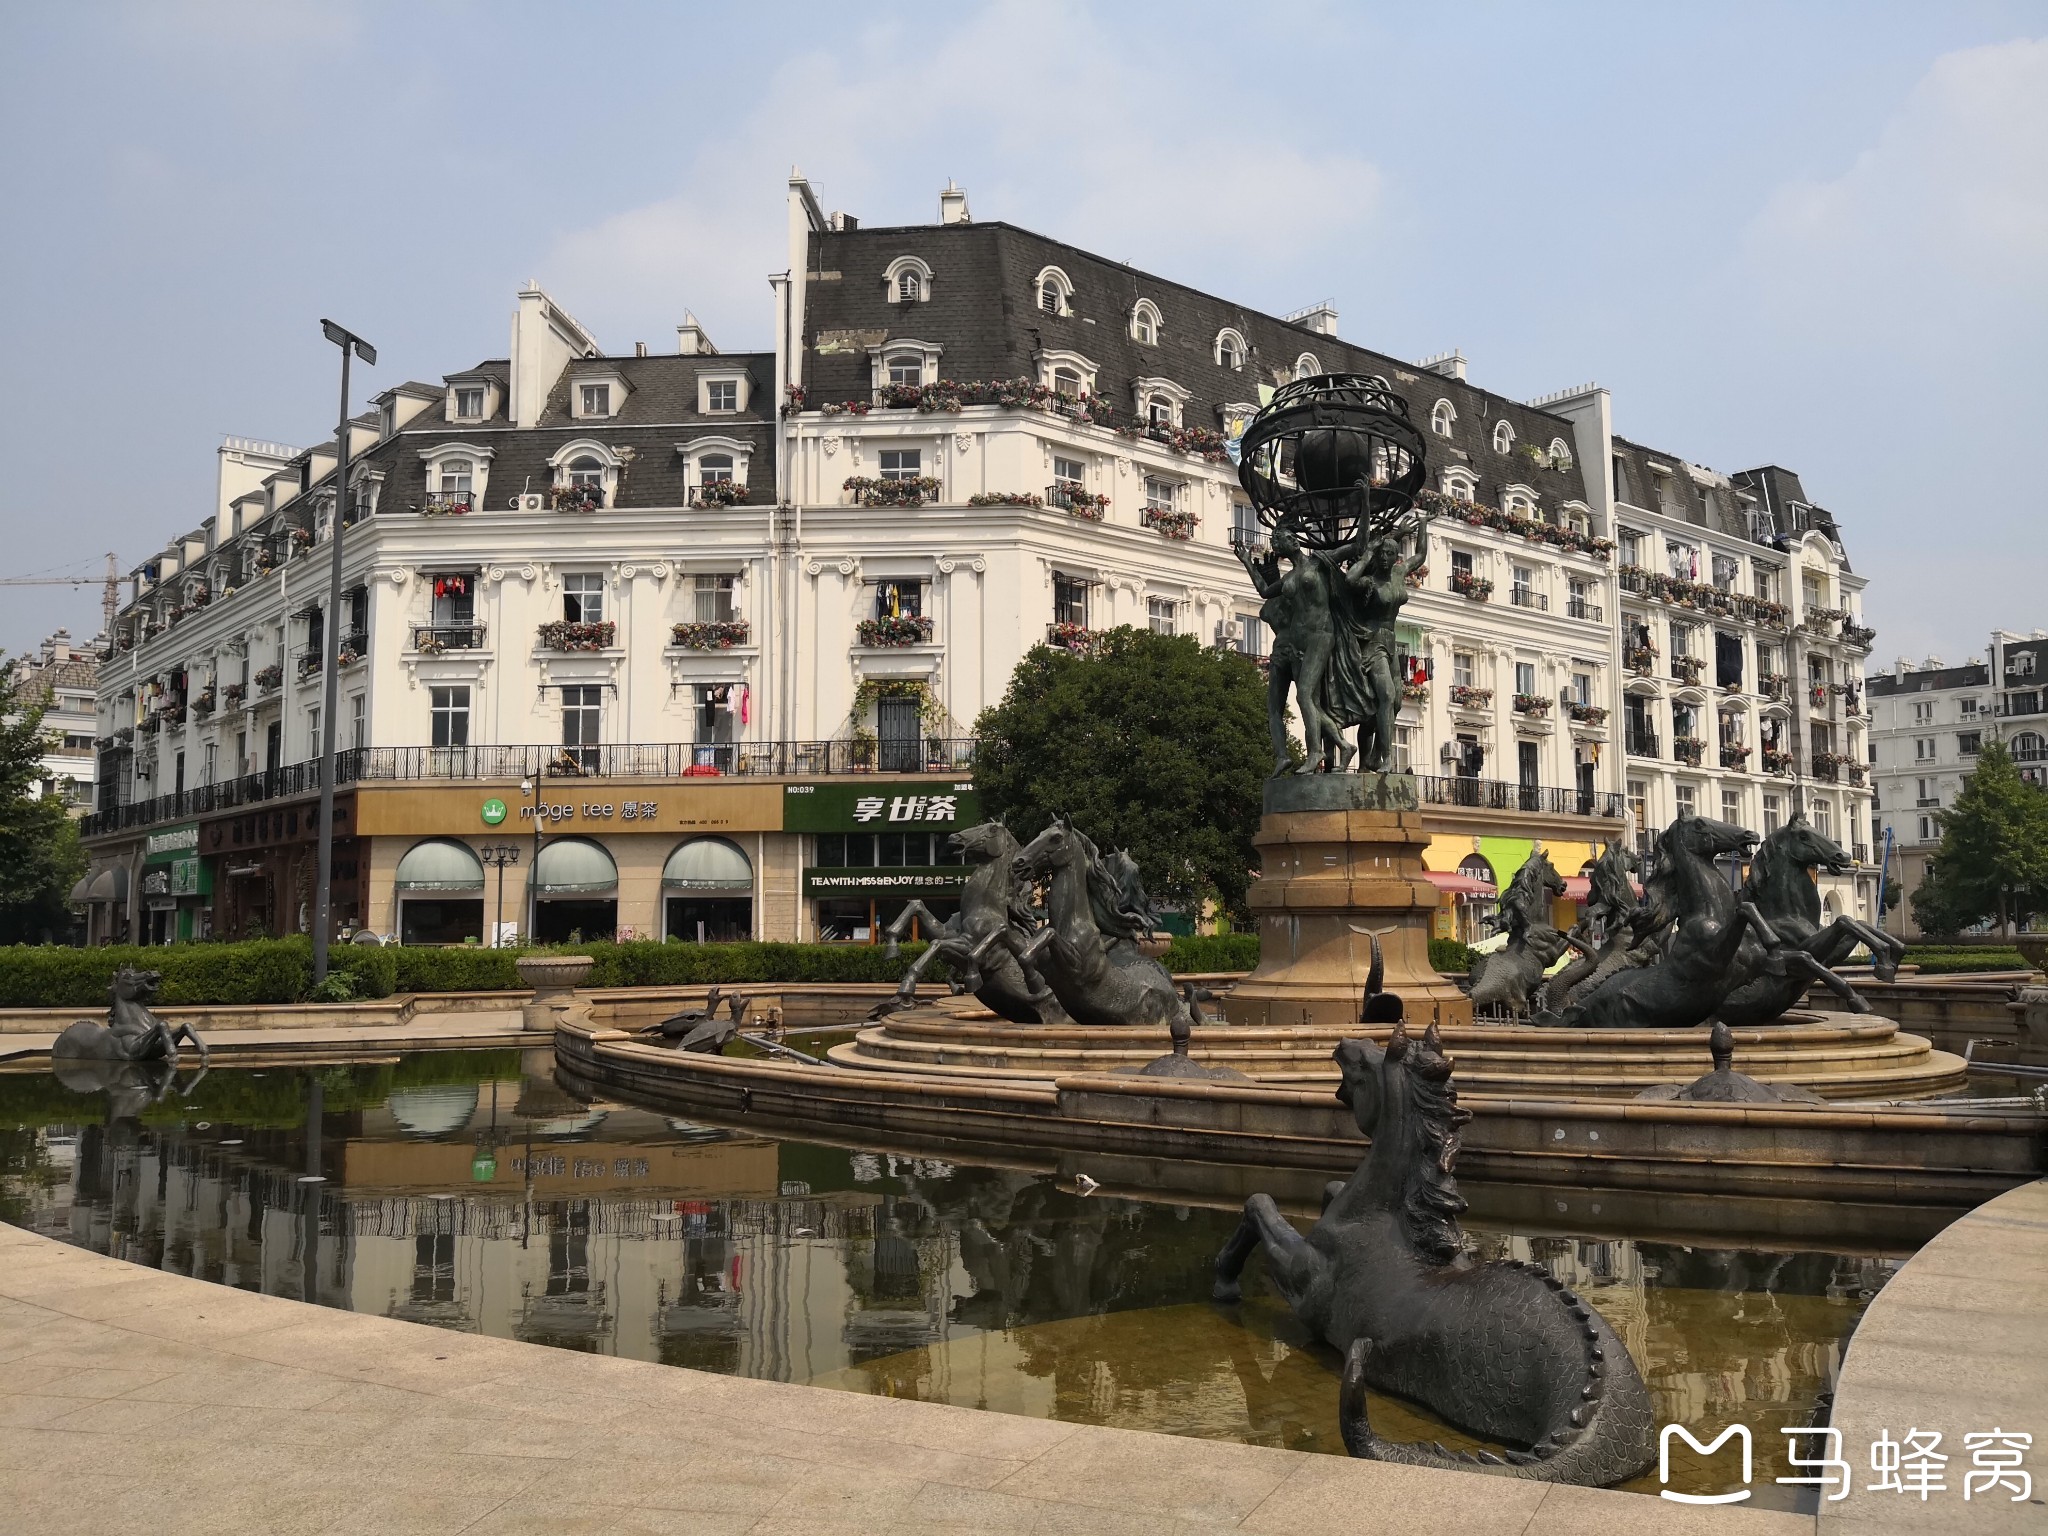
[1478,588]
[302,538]
[203,703]
[719,493]
[711,634]
[1464,696]
[1688,750]
[1687,669]
[1733,754]
[1415,693]
[1006,499]
[576,635]
[910,491]
[1639,659]
[577,498]
[903,629]
[445,504]
[1586,714]
[1858,635]
[1772,685]
[234,693]
[1071,496]
[1531,704]
[149,725]
[1534,530]
[1171,522]
[270,677]
[1071,637]
[1776,761]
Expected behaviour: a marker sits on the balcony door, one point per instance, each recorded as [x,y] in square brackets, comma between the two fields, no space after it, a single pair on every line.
[899,735]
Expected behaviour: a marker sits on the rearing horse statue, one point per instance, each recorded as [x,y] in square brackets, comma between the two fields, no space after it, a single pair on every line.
[985,940]
[1096,913]
[1782,889]
[1506,978]
[1611,899]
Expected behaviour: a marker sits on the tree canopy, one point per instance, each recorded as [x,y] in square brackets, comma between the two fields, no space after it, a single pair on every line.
[40,858]
[1993,861]
[1147,742]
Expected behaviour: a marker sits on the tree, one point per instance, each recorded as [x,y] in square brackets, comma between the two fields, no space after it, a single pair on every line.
[1993,861]
[1146,742]
[40,859]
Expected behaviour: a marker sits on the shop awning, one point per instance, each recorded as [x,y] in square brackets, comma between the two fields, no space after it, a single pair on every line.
[1579,888]
[82,892]
[1460,885]
[109,885]
[440,865]
[573,866]
[708,864]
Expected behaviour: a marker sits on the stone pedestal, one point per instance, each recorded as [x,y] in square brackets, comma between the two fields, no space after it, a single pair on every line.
[1342,861]
[554,979]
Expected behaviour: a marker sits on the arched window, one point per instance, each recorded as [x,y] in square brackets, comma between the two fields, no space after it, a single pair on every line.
[1459,487]
[585,470]
[440,890]
[1158,411]
[907,280]
[1441,415]
[714,469]
[1560,455]
[1307,366]
[1054,293]
[1230,350]
[1503,437]
[2028,747]
[1065,381]
[1145,323]
[906,368]
[707,890]
[575,885]
[906,288]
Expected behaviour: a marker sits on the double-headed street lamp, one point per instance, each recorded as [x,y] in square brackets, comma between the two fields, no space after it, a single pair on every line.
[351,345]
[498,855]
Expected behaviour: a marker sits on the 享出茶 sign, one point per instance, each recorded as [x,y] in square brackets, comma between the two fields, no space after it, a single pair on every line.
[933,805]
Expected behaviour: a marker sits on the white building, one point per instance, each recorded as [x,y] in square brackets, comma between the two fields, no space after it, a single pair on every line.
[65,677]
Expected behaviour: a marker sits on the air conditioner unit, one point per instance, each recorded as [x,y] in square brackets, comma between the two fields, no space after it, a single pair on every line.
[1448,752]
[529,501]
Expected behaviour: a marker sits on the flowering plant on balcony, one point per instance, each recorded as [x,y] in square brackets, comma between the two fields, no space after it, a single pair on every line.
[1072,637]
[268,678]
[1733,754]
[173,714]
[1776,760]
[1172,522]
[1478,588]
[576,498]
[1858,635]
[1586,714]
[1531,704]
[794,398]
[1415,693]
[1857,772]
[309,665]
[577,635]
[846,408]
[1687,669]
[899,629]
[177,612]
[1415,578]
[350,655]
[1465,696]
[719,493]
[124,642]
[1772,685]
[910,491]
[426,642]
[1639,659]
[199,597]
[1688,750]
[150,724]
[234,693]
[711,634]
[203,703]
[1079,500]
[1006,499]
[1536,530]
[302,538]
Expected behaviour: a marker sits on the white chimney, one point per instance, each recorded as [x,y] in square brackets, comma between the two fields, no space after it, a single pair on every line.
[1900,668]
[953,205]
[1450,364]
[691,340]
[639,349]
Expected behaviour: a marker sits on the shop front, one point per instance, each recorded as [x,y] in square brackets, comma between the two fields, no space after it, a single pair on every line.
[264,868]
[871,850]
[177,887]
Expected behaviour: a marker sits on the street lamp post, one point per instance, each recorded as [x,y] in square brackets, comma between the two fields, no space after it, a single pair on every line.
[351,345]
[530,785]
[498,855]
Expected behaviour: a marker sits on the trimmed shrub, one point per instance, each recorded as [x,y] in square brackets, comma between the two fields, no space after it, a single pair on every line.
[1212,952]
[464,969]
[1449,955]
[1960,962]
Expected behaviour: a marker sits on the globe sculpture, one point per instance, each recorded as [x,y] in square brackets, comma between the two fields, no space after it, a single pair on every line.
[1332,464]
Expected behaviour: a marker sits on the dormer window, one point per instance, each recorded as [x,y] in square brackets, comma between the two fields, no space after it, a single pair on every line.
[715,469]
[456,474]
[1441,415]
[455,477]
[1158,402]
[469,402]
[907,280]
[723,392]
[1066,373]
[1503,437]
[1307,366]
[596,400]
[907,288]
[1055,293]
[1230,350]
[1560,455]
[1066,382]
[721,395]
[1158,411]
[1459,487]
[585,471]
[1145,323]
[906,369]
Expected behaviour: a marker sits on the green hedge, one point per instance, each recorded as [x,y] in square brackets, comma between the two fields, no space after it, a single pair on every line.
[1962,961]
[1212,952]
[1449,955]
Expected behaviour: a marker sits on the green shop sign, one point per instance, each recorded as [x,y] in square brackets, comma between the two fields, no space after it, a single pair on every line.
[168,843]
[901,806]
[939,880]
[493,811]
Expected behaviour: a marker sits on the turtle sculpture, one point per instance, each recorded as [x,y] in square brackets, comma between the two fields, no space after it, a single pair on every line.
[1501,1350]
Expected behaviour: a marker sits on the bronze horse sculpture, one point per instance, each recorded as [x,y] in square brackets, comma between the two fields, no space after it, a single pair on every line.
[1610,902]
[1501,1350]
[984,942]
[1508,977]
[1096,913]
[132,1032]
[1782,889]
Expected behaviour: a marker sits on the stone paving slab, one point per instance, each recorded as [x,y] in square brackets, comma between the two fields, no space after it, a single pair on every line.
[137,1401]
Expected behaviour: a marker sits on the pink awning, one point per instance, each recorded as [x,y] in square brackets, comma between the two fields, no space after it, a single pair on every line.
[1579,888]
[1460,885]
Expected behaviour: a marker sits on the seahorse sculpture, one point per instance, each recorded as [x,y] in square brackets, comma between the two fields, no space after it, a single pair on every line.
[1501,1350]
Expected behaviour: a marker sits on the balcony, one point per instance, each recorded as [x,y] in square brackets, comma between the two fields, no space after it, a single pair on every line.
[578,635]
[1071,496]
[270,678]
[1859,636]
[446,504]
[1582,713]
[1465,696]
[434,639]
[891,490]
[1774,685]
[1534,705]
[577,498]
[308,665]
[1641,741]
[1689,750]
[711,634]
[1777,762]
[1465,584]
[1688,669]
[893,632]
[1579,608]
[1734,755]
[1497,795]
[1169,522]
[718,493]
[1529,597]
[1069,636]
[1253,540]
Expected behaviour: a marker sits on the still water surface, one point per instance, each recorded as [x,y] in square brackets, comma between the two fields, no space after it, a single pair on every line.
[471,1192]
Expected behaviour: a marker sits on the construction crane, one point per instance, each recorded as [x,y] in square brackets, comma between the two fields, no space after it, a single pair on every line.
[110,595]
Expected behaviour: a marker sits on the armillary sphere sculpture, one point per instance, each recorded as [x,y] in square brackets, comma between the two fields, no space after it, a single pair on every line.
[1333,464]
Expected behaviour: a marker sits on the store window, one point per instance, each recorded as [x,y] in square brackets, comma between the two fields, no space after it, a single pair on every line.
[707,890]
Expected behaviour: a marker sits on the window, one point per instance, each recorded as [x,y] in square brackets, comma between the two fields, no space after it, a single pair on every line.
[902,463]
[1766,584]
[582,715]
[1924,790]
[1969,743]
[358,729]
[1065,381]
[1923,749]
[714,469]
[899,599]
[1685,798]
[907,288]
[1145,323]
[1968,708]
[1159,614]
[1159,411]
[1582,688]
[1727,571]
[1682,560]
[1251,634]
[714,714]
[1440,418]
[450,709]
[456,477]
[1307,366]
[1068,469]
[1244,525]
[1923,712]
[1631,547]
[1159,494]
[1503,437]
[1810,592]
[711,599]
[212,762]
[721,395]
[1069,600]
[906,369]
[1049,297]
[1774,813]
[469,401]
[1926,829]
[1823,818]
[1461,563]
[1230,350]
[586,471]
[1464,669]
[1523,581]
[597,399]
[1525,678]
[1639,812]
[583,599]
[1681,640]
[1055,292]
[1731,806]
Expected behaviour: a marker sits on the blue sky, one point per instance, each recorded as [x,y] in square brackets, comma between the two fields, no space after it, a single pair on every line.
[1809,234]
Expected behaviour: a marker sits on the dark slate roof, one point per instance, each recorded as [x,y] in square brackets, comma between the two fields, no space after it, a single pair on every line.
[2038,649]
[1785,498]
[1715,508]
[1973,674]
[983,312]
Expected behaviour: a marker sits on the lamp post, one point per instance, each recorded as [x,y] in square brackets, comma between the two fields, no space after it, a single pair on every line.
[351,345]
[530,785]
[498,855]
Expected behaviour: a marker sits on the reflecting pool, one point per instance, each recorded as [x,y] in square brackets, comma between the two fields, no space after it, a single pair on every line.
[472,1192]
